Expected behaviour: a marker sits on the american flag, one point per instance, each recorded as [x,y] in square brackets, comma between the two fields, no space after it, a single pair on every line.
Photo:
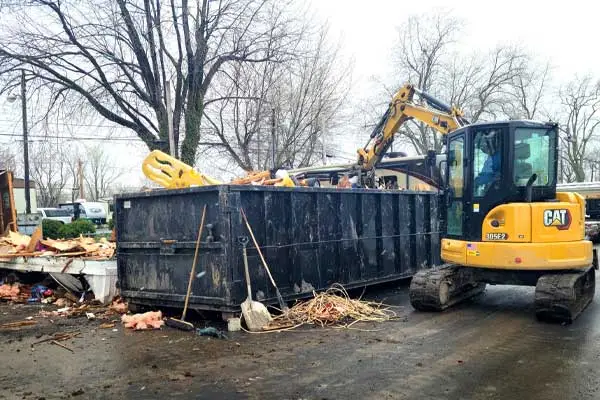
[470,246]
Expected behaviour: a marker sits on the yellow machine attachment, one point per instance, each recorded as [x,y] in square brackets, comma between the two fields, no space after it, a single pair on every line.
[172,173]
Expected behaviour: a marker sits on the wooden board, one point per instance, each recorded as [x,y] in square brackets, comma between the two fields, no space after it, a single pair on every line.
[36,236]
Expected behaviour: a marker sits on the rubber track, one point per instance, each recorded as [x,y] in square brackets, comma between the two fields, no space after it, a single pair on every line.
[562,297]
[442,287]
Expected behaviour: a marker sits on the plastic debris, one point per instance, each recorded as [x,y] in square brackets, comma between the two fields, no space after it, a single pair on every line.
[38,293]
[211,331]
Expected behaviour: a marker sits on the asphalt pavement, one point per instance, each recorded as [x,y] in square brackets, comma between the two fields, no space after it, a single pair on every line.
[489,348]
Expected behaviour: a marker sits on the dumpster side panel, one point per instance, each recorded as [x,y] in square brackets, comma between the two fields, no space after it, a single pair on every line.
[310,237]
[330,235]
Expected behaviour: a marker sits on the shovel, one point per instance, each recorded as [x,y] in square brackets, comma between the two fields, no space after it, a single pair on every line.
[282,304]
[255,313]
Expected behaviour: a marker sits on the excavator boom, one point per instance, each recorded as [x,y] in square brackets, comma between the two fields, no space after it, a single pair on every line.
[434,113]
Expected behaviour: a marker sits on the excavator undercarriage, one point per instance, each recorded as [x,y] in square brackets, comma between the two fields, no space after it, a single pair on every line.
[560,296]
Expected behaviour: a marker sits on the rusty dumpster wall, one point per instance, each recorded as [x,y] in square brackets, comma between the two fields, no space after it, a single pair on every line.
[311,237]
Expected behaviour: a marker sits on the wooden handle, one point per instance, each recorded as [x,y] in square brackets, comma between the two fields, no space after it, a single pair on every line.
[189,289]
[247,273]
[257,247]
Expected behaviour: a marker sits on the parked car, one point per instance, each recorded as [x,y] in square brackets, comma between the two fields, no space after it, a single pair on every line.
[56,214]
[93,211]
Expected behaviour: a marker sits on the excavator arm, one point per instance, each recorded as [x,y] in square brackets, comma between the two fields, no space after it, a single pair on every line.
[434,113]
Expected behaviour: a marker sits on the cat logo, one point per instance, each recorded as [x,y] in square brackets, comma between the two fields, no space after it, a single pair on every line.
[558,218]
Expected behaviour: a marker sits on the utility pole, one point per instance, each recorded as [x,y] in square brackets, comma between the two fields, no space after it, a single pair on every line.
[258,149]
[273,138]
[25,144]
[80,175]
[172,149]
[323,153]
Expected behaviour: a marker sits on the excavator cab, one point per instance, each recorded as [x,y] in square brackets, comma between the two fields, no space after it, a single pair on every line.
[491,164]
[506,224]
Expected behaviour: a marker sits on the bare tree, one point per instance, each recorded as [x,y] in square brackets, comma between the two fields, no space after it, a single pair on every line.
[480,83]
[100,173]
[525,98]
[118,56]
[487,82]
[424,45]
[8,159]
[281,107]
[580,103]
[48,168]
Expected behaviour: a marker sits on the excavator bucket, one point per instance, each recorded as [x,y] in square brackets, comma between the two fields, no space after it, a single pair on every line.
[172,173]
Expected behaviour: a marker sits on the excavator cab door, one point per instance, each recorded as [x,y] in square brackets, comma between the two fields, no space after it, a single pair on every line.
[455,189]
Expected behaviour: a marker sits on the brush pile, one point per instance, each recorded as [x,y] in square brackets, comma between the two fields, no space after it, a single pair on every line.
[334,307]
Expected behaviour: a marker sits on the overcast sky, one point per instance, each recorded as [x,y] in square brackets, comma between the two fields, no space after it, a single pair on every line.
[563,34]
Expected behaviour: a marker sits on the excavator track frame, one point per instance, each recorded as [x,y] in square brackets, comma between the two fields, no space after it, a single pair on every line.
[560,296]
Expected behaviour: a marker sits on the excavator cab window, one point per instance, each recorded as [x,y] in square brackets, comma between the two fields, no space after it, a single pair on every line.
[534,154]
[487,160]
[456,184]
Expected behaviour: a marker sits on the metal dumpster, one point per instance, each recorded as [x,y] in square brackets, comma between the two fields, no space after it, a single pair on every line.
[311,238]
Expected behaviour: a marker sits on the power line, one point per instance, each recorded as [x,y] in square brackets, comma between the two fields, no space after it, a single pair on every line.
[74,137]
[72,125]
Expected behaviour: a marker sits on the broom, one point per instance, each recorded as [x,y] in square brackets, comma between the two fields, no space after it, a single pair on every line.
[181,323]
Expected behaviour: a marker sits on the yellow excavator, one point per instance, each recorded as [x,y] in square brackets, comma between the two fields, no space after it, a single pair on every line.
[505,223]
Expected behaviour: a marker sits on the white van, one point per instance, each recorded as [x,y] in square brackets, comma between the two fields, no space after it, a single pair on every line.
[93,211]
[56,214]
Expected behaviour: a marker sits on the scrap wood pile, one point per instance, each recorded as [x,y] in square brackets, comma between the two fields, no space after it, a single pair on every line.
[18,245]
[91,309]
[334,307]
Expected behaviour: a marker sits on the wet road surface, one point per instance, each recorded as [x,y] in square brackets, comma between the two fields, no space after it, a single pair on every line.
[490,348]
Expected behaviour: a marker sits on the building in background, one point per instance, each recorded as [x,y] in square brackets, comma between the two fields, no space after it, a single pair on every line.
[19,194]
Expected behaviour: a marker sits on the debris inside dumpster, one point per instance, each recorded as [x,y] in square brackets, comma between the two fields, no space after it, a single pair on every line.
[334,307]
[139,322]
